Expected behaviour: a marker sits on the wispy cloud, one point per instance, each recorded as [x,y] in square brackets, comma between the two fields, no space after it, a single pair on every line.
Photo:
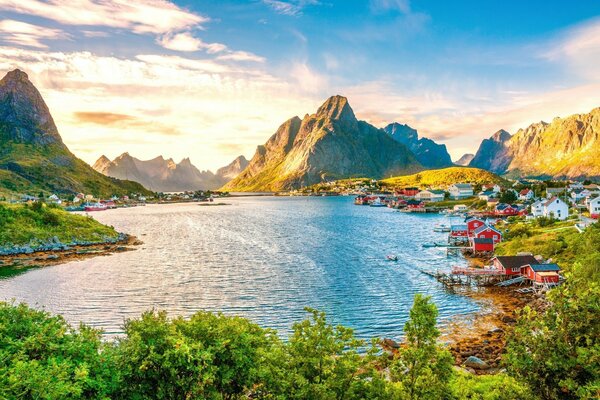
[290,7]
[379,6]
[185,41]
[24,34]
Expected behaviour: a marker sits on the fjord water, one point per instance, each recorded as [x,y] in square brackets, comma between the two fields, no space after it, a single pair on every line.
[265,258]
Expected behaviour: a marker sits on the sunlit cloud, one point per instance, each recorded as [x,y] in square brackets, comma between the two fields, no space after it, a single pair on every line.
[24,34]
[289,7]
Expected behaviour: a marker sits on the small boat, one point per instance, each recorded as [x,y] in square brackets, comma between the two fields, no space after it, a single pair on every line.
[392,258]
[377,203]
[441,228]
[95,207]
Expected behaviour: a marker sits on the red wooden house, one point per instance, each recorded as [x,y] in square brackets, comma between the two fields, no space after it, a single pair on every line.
[511,265]
[488,232]
[474,223]
[409,192]
[541,273]
[506,210]
[459,231]
[482,245]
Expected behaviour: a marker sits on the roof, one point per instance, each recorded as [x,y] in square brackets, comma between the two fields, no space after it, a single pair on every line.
[485,228]
[483,240]
[473,218]
[525,191]
[437,191]
[552,200]
[463,186]
[555,190]
[516,261]
[458,227]
[544,267]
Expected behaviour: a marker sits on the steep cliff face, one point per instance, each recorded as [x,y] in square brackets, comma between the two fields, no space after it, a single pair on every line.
[330,144]
[465,159]
[233,169]
[567,147]
[33,157]
[493,153]
[428,153]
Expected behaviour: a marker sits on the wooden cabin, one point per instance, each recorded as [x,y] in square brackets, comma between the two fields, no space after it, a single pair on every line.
[482,245]
[488,232]
[511,265]
[459,231]
[541,273]
[474,223]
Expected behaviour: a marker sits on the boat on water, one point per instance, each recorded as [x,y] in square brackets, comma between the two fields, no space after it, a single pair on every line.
[441,228]
[435,244]
[95,207]
[392,257]
[377,203]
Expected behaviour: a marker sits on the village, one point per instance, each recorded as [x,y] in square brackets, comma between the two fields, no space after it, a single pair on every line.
[480,220]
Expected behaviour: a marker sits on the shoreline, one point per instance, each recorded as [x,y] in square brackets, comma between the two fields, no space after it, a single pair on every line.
[45,258]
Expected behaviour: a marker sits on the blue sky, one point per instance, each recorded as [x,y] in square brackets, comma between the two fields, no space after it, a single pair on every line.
[213,79]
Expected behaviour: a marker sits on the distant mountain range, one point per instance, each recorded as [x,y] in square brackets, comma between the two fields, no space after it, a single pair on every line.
[33,157]
[428,153]
[464,160]
[162,175]
[328,145]
[565,148]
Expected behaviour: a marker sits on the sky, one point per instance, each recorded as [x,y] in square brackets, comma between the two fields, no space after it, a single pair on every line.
[212,79]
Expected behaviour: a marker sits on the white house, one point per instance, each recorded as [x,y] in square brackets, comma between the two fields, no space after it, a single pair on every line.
[551,192]
[430,195]
[461,191]
[576,185]
[526,195]
[579,194]
[594,207]
[537,208]
[556,208]
[494,188]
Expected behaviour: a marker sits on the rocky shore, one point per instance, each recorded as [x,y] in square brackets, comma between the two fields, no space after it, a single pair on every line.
[54,252]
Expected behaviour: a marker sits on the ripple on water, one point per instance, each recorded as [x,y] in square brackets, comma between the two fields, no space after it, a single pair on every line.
[263,258]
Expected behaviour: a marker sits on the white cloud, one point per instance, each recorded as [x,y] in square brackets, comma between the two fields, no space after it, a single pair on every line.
[24,34]
[241,56]
[578,49]
[186,42]
[140,16]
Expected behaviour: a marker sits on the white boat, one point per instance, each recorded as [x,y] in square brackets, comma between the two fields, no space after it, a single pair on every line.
[377,203]
[441,228]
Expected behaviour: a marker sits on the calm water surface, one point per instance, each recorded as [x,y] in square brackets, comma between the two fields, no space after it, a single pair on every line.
[264,258]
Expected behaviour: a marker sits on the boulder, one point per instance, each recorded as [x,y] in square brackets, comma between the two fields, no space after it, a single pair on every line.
[390,343]
[476,363]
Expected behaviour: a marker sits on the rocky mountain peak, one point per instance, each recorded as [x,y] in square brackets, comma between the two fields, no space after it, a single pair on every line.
[501,136]
[23,112]
[337,108]
[428,152]
[465,159]
[402,132]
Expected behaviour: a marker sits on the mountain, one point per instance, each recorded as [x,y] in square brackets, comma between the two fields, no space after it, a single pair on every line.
[164,175]
[331,144]
[442,178]
[565,148]
[428,153]
[234,168]
[33,157]
[465,159]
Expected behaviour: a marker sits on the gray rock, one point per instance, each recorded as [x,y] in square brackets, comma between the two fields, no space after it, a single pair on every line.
[476,363]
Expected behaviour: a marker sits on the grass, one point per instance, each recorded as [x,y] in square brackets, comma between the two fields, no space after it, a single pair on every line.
[21,224]
[30,169]
[445,177]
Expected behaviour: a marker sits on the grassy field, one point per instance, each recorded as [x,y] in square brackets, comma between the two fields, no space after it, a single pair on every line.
[445,177]
[21,224]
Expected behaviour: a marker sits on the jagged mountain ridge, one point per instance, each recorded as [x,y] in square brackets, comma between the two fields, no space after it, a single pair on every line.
[330,144]
[565,148]
[429,153]
[33,157]
[164,175]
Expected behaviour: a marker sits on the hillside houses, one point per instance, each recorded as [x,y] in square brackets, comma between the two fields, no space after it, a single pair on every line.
[459,191]
[526,195]
[594,207]
[430,195]
[556,208]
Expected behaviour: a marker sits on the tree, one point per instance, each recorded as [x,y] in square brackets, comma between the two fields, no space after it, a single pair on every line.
[42,357]
[422,369]
[209,356]
[322,361]
[508,197]
[557,351]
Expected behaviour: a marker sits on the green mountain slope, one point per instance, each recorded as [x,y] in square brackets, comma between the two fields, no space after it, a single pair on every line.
[445,177]
[33,157]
